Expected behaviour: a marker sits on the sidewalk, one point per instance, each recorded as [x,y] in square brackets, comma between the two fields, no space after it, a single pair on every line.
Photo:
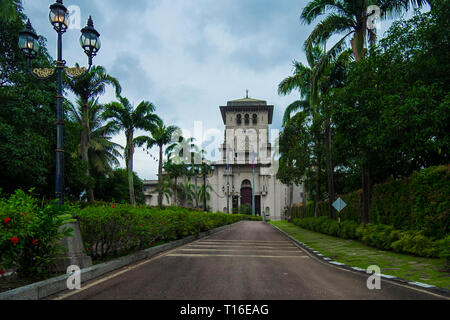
[356,254]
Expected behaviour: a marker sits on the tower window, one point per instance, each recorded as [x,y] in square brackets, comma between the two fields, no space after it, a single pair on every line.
[239,119]
[255,118]
[247,119]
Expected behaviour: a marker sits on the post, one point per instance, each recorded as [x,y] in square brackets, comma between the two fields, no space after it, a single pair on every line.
[204,186]
[59,185]
[253,189]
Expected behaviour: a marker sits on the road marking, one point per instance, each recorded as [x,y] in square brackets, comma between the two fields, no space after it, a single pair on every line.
[194,255]
[259,241]
[237,247]
[295,250]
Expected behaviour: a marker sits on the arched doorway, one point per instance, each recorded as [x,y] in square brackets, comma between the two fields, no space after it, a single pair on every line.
[246,194]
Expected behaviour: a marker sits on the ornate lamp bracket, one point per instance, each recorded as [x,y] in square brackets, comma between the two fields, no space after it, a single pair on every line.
[43,73]
[75,72]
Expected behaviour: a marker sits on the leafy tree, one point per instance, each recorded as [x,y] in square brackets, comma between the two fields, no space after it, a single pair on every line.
[88,87]
[114,187]
[161,136]
[123,116]
[102,152]
[349,18]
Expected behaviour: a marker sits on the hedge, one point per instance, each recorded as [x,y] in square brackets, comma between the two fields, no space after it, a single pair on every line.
[112,229]
[380,236]
[420,202]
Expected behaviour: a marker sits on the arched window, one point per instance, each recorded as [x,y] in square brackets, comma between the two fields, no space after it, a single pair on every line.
[246,184]
[255,118]
[239,119]
[247,119]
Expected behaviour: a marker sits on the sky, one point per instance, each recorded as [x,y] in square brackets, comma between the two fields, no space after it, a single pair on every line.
[187,57]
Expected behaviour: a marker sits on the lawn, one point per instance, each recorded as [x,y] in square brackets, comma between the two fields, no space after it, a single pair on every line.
[356,254]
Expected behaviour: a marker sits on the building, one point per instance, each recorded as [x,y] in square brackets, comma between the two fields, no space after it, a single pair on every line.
[247,167]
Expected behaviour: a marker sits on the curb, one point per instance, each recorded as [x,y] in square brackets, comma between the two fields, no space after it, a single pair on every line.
[43,289]
[418,285]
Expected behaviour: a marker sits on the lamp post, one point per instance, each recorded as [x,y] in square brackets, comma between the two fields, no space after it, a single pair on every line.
[90,42]
[29,44]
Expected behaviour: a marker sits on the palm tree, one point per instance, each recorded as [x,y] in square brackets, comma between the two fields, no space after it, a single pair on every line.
[88,87]
[304,81]
[123,116]
[161,136]
[164,189]
[102,152]
[349,17]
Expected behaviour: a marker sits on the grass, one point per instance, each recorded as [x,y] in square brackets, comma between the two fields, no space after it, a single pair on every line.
[357,254]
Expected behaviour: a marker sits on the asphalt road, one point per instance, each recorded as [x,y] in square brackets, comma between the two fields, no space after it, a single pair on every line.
[250,261]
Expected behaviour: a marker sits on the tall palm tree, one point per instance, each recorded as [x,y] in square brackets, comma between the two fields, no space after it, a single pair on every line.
[123,116]
[161,136]
[103,153]
[86,88]
[303,80]
[349,17]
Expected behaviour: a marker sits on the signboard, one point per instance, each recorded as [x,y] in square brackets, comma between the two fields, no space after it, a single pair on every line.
[339,205]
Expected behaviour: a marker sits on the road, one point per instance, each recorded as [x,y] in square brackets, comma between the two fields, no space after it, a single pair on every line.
[250,261]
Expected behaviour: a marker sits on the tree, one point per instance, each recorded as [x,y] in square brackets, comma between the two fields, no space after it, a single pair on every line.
[349,18]
[113,187]
[123,116]
[88,87]
[161,136]
[103,153]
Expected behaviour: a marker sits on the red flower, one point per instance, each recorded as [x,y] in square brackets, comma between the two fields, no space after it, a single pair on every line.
[163,222]
[2,273]
[87,249]
[113,206]
[35,241]
[195,222]
[7,220]
[24,214]
[142,225]
[14,240]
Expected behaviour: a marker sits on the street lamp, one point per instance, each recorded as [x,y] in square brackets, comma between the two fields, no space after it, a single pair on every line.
[29,44]
[204,184]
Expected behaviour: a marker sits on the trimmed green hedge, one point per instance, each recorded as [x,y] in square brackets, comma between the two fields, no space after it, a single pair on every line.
[114,229]
[420,203]
[380,236]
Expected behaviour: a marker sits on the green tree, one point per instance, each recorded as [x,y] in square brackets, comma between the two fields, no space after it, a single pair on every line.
[161,136]
[113,187]
[103,154]
[349,18]
[123,116]
[87,88]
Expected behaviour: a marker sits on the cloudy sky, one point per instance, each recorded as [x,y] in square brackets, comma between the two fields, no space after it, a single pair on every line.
[187,57]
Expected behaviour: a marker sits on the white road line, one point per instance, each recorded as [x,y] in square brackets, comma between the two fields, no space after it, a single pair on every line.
[230,255]
[295,250]
[238,246]
[265,241]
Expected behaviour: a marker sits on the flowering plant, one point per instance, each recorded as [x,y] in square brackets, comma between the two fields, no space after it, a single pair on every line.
[29,235]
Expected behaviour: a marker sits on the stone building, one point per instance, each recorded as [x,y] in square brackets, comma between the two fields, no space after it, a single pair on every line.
[247,167]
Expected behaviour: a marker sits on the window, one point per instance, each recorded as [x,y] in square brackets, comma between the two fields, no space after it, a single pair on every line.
[239,119]
[247,119]
[255,119]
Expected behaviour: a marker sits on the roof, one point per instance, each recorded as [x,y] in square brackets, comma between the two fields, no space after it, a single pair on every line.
[246,102]
[246,105]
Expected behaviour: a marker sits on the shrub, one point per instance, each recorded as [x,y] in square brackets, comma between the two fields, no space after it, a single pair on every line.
[420,202]
[113,229]
[380,236]
[29,235]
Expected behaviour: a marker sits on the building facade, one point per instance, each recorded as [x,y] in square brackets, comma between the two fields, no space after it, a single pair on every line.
[247,168]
